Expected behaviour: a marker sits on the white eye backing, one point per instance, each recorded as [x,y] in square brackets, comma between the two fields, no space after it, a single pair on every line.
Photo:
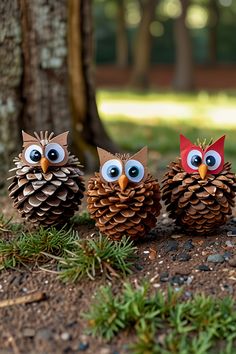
[30,151]
[134,170]
[54,153]
[212,159]
[190,158]
[111,170]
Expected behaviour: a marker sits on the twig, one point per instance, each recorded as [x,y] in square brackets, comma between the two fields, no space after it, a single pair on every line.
[33,297]
[12,342]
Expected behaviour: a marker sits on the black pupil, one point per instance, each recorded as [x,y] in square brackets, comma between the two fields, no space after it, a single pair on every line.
[53,154]
[113,172]
[210,161]
[35,155]
[196,160]
[133,171]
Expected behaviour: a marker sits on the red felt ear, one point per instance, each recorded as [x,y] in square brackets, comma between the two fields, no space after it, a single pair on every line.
[218,146]
[217,151]
[184,143]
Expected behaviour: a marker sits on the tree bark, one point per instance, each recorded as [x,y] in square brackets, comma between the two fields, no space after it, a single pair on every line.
[46,75]
[184,76]
[10,81]
[122,49]
[45,65]
[142,50]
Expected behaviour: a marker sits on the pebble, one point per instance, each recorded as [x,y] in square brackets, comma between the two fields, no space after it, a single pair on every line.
[215,258]
[232,232]
[172,246]
[203,268]
[228,288]
[175,236]
[182,271]
[188,294]
[189,280]
[183,257]
[44,334]
[229,244]
[232,261]
[105,351]
[83,346]
[164,277]
[28,332]
[177,280]
[65,336]
[138,266]
[227,255]
[188,245]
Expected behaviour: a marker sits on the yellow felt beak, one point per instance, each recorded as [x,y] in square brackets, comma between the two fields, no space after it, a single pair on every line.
[202,169]
[123,181]
[44,163]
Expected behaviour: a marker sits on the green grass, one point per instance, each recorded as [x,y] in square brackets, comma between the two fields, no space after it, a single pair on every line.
[164,324]
[90,258]
[134,119]
[74,258]
[31,248]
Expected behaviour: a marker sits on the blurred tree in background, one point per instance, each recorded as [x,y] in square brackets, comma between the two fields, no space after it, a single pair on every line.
[182,33]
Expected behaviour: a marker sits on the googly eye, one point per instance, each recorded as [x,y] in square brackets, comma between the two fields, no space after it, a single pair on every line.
[111,170]
[33,154]
[54,153]
[134,170]
[194,159]
[212,159]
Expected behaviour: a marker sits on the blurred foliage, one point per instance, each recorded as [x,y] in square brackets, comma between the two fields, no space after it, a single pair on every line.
[199,21]
[156,119]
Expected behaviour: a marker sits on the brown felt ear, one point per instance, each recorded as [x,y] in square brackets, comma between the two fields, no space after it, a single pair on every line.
[104,156]
[28,139]
[141,156]
[60,139]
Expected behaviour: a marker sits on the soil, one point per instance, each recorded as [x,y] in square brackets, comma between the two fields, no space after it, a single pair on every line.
[167,256]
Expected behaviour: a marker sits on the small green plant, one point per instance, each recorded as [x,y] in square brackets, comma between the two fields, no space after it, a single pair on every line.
[164,324]
[35,247]
[90,257]
[6,225]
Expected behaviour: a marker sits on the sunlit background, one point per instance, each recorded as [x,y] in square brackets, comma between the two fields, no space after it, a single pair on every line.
[164,72]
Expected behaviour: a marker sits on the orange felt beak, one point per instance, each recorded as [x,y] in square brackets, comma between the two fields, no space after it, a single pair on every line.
[202,169]
[123,181]
[44,163]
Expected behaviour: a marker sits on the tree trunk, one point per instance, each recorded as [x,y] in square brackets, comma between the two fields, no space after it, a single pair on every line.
[122,49]
[88,130]
[10,81]
[142,50]
[214,15]
[183,77]
[46,75]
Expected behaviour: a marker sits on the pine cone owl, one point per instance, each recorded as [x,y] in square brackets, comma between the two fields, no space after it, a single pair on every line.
[124,199]
[48,185]
[199,189]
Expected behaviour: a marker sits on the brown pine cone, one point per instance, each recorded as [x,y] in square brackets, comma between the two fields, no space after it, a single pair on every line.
[47,198]
[199,205]
[131,212]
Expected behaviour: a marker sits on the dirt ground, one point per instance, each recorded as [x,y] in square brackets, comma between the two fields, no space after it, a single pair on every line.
[217,77]
[55,325]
